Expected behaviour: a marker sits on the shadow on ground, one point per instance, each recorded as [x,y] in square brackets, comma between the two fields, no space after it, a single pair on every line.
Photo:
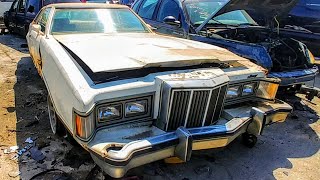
[294,138]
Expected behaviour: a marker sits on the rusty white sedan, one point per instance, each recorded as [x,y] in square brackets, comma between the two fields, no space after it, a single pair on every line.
[131,97]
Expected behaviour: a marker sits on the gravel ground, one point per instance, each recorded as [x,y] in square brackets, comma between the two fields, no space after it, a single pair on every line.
[289,150]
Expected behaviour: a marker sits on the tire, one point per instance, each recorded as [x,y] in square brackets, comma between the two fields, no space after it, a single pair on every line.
[55,123]
[249,140]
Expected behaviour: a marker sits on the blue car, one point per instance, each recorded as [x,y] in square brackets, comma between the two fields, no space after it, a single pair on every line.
[306,14]
[227,24]
[304,22]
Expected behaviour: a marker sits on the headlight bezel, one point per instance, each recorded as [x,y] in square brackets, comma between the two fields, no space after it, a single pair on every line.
[110,118]
[126,118]
[257,94]
[128,115]
[238,91]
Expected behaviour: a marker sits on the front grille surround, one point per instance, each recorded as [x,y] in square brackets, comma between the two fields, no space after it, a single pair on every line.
[192,107]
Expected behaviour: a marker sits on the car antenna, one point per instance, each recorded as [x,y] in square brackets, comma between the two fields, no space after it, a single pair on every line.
[278,24]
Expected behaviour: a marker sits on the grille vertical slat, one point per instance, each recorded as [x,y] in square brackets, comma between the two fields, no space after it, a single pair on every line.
[195,108]
[178,109]
[219,106]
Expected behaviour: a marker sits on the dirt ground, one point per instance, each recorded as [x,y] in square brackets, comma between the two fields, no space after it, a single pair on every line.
[288,150]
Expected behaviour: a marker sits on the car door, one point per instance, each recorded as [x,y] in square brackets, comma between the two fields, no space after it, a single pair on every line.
[169,9]
[32,9]
[34,37]
[147,10]
[20,16]
[12,15]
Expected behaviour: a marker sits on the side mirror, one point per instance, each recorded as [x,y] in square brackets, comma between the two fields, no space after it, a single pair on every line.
[171,21]
[36,27]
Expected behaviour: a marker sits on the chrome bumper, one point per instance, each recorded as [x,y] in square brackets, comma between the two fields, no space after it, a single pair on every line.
[180,143]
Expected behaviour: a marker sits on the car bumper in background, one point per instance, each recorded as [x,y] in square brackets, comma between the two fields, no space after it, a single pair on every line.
[295,77]
[116,150]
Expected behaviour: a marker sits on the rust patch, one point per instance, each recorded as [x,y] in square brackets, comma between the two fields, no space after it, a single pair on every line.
[139,136]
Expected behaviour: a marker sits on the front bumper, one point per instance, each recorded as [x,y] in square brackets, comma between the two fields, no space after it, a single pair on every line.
[295,77]
[116,150]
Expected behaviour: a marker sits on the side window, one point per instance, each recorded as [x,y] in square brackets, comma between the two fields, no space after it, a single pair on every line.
[136,5]
[147,8]
[168,8]
[22,6]
[14,6]
[43,18]
[33,6]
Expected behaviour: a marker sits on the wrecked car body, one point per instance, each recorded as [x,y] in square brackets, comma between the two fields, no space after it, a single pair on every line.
[131,97]
[226,23]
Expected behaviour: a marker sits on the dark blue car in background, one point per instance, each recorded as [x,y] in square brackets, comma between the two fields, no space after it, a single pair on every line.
[227,24]
[303,19]
[22,12]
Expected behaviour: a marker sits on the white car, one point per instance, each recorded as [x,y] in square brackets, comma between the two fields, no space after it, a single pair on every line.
[131,97]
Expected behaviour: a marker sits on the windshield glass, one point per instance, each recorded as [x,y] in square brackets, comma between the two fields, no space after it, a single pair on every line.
[70,21]
[199,10]
[237,17]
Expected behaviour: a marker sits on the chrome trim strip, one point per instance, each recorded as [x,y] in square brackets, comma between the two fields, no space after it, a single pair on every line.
[206,111]
[169,107]
[188,109]
[215,106]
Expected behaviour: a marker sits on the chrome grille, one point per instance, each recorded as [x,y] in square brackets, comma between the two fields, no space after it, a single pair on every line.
[195,107]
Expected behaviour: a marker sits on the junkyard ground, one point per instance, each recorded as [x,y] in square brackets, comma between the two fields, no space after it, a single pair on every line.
[288,150]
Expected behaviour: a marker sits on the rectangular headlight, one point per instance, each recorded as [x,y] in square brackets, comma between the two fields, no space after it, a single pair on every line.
[233,91]
[110,112]
[248,89]
[136,107]
[85,125]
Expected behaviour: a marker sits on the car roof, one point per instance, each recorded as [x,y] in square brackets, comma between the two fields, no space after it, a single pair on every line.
[87,5]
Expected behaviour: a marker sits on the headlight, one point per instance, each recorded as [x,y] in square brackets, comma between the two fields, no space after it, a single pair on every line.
[267,90]
[233,92]
[248,89]
[85,125]
[109,112]
[137,107]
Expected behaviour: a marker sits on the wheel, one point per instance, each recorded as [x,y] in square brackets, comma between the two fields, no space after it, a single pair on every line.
[55,123]
[249,140]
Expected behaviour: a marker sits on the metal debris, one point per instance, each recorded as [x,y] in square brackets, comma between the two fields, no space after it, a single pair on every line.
[20,152]
[36,154]
[29,140]
[12,149]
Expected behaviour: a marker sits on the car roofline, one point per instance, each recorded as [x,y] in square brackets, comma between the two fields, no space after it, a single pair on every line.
[87,5]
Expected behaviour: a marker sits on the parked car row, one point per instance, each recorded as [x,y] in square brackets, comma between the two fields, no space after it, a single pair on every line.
[131,96]
[226,23]
[22,12]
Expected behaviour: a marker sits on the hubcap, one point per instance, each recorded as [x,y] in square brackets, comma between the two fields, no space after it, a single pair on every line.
[52,117]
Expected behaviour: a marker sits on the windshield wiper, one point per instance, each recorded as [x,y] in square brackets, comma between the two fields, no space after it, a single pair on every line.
[247,24]
[214,22]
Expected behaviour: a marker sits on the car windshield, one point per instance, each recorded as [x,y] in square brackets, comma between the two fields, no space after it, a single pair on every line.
[71,21]
[199,10]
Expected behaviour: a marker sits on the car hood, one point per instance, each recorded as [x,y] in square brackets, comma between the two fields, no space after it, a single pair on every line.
[266,8]
[111,53]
